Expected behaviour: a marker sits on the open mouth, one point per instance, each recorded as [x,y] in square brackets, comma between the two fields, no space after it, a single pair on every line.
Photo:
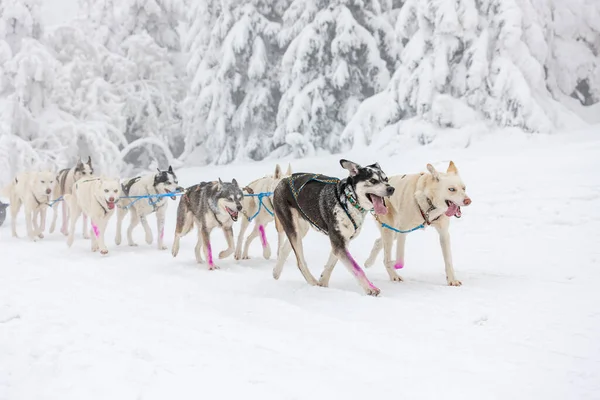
[110,204]
[378,203]
[167,191]
[232,214]
[453,209]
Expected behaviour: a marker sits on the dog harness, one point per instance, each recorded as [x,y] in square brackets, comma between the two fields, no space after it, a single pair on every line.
[261,203]
[328,181]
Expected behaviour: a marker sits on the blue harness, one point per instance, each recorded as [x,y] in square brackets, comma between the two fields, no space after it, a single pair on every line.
[261,203]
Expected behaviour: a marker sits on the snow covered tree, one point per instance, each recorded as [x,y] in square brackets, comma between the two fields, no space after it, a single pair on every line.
[234,95]
[338,53]
[19,19]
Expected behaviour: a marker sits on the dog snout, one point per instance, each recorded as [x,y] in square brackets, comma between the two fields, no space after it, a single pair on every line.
[239,207]
[467,201]
[112,199]
[48,191]
[390,190]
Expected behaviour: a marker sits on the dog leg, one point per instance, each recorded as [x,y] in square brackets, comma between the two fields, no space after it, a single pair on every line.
[253,235]
[263,240]
[15,207]
[99,231]
[94,233]
[185,221]
[65,218]
[387,238]
[283,252]
[446,251]
[377,246]
[230,247]
[29,217]
[147,230]
[75,212]
[121,213]
[344,255]
[198,248]
[42,228]
[55,208]
[324,281]
[135,220]
[296,242]
[84,225]
[160,226]
[205,234]
[240,240]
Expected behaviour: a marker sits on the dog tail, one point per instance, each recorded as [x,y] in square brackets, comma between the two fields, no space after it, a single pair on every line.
[7,190]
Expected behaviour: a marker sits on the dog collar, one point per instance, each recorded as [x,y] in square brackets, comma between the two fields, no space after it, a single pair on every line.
[425,214]
[352,200]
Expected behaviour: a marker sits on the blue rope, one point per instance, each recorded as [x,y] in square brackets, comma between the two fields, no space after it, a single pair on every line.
[391,228]
[51,203]
[157,196]
[260,196]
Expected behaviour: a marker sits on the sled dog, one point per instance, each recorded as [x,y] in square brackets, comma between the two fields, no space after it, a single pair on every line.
[97,197]
[159,183]
[335,207]
[258,210]
[33,191]
[208,205]
[64,185]
[427,199]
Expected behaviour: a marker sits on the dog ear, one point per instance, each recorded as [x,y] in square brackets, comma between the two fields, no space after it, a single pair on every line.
[79,162]
[159,171]
[277,172]
[452,169]
[89,161]
[235,182]
[170,170]
[352,167]
[289,170]
[433,172]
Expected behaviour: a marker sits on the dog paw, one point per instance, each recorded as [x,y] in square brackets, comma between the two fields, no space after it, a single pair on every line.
[34,239]
[41,235]
[104,252]
[133,244]
[86,236]
[396,278]
[149,240]
[267,253]
[322,283]
[454,282]
[163,247]
[373,291]
[213,267]
[224,254]
[369,263]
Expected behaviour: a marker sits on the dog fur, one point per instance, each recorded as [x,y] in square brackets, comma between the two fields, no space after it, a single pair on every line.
[438,196]
[328,206]
[161,182]
[64,185]
[3,207]
[97,198]
[208,205]
[33,191]
[251,205]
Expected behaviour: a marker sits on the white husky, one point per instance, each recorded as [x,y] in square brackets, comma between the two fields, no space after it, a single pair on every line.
[261,214]
[427,199]
[64,184]
[162,182]
[32,190]
[96,197]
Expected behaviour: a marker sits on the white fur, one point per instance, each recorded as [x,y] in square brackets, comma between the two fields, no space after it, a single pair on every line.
[33,190]
[142,208]
[251,204]
[92,196]
[412,192]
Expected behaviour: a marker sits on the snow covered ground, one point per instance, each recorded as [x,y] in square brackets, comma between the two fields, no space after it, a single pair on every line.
[139,324]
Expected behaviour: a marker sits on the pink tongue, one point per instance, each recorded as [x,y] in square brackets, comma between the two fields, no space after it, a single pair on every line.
[452,210]
[111,205]
[378,205]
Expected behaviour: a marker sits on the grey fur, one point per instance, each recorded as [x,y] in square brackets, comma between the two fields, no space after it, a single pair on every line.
[207,205]
[327,207]
[2,212]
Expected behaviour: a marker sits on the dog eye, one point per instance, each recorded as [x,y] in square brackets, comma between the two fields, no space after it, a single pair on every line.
[464,188]
[452,189]
[105,190]
[373,181]
[43,182]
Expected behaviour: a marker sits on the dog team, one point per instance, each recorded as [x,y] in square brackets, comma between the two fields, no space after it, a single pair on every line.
[294,201]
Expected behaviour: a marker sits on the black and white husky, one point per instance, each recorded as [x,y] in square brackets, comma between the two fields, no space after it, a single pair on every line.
[64,185]
[161,182]
[208,205]
[335,207]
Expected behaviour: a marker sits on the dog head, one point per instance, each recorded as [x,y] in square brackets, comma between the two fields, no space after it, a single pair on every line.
[451,189]
[370,185]
[229,198]
[278,176]
[83,170]
[166,182]
[43,183]
[109,192]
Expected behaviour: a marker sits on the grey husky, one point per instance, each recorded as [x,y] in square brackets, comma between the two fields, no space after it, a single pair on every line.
[64,185]
[208,205]
[161,182]
[335,207]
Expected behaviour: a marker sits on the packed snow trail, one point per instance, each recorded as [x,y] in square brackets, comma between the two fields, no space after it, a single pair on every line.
[138,324]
